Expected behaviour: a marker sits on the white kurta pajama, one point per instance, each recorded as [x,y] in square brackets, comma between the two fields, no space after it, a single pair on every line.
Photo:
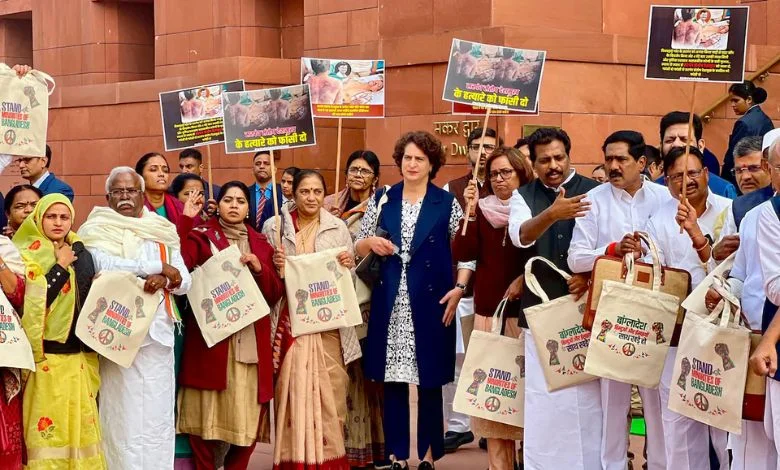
[562,428]
[754,449]
[766,240]
[686,440]
[613,214]
[137,404]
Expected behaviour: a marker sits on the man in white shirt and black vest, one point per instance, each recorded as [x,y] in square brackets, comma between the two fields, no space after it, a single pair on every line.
[562,428]
[618,210]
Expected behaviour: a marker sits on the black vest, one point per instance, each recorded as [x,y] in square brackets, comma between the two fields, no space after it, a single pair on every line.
[743,204]
[554,243]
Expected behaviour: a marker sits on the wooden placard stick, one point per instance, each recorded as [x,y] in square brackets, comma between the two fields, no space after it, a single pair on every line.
[476,166]
[338,157]
[211,179]
[688,143]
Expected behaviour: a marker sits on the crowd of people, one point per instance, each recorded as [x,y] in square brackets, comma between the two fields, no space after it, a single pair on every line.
[341,399]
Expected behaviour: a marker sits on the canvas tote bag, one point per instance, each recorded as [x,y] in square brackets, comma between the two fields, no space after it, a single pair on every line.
[708,382]
[15,349]
[320,293]
[25,111]
[116,316]
[558,333]
[224,296]
[492,381]
[632,328]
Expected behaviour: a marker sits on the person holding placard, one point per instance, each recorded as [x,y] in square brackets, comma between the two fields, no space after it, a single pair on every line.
[618,210]
[230,404]
[305,227]
[61,424]
[11,430]
[687,441]
[500,266]
[411,335]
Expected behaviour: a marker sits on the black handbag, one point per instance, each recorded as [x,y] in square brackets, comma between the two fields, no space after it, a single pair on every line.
[368,268]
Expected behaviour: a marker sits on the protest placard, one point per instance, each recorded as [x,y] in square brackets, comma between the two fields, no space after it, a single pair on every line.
[193,116]
[497,77]
[460,109]
[697,43]
[270,119]
[345,88]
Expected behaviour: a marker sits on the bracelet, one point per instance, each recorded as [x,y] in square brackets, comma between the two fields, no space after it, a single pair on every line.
[3,266]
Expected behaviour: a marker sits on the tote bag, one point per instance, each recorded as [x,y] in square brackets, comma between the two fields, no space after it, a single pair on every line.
[320,293]
[558,333]
[708,382]
[492,381]
[116,316]
[25,112]
[15,349]
[632,328]
[224,296]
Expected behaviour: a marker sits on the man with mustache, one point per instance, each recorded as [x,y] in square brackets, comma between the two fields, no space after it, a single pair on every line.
[137,404]
[458,424]
[754,175]
[619,210]
[695,208]
[542,215]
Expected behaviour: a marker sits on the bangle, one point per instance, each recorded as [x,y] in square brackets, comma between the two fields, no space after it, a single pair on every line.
[3,266]
[461,286]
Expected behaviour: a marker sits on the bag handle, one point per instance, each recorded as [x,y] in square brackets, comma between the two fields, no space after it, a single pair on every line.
[630,265]
[533,282]
[42,77]
[379,205]
[499,315]
[728,303]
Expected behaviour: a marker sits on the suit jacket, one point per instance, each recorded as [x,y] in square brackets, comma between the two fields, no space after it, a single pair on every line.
[53,185]
[268,210]
[753,122]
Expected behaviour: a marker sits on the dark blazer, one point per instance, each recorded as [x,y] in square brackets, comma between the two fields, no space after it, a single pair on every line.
[268,210]
[54,185]
[753,122]
[429,278]
[197,356]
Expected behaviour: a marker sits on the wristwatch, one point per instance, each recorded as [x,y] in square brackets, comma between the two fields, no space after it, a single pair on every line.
[461,286]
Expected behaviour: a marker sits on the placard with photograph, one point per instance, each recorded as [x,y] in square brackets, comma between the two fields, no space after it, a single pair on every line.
[697,43]
[270,119]
[497,77]
[345,88]
[192,117]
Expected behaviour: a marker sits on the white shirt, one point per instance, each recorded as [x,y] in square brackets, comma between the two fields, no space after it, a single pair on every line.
[148,263]
[768,254]
[613,214]
[749,275]
[39,181]
[520,213]
[675,249]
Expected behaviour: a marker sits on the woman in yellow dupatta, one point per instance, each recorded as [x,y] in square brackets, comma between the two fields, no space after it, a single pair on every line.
[311,378]
[61,426]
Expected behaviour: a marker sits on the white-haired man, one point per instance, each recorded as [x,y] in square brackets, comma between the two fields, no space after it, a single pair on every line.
[137,404]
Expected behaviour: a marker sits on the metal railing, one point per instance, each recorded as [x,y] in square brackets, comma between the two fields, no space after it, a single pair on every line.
[761,74]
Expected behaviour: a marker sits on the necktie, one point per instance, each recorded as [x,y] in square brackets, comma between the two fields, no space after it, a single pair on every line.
[260,207]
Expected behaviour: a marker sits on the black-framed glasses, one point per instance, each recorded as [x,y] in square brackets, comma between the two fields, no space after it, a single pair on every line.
[362,172]
[749,168]
[132,192]
[486,147]
[692,174]
[505,174]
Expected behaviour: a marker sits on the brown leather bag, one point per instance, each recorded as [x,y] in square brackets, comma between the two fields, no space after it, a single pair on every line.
[673,281]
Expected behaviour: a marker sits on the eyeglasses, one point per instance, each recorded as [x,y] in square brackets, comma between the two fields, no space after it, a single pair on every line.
[132,192]
[692,174]
[362,172]
[749,168]
[486,147]
[505,174]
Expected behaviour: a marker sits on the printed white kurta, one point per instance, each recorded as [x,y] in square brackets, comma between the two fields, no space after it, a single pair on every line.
[137,404]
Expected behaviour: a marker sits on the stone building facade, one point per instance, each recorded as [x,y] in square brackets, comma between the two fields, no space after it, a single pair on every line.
[111,58]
